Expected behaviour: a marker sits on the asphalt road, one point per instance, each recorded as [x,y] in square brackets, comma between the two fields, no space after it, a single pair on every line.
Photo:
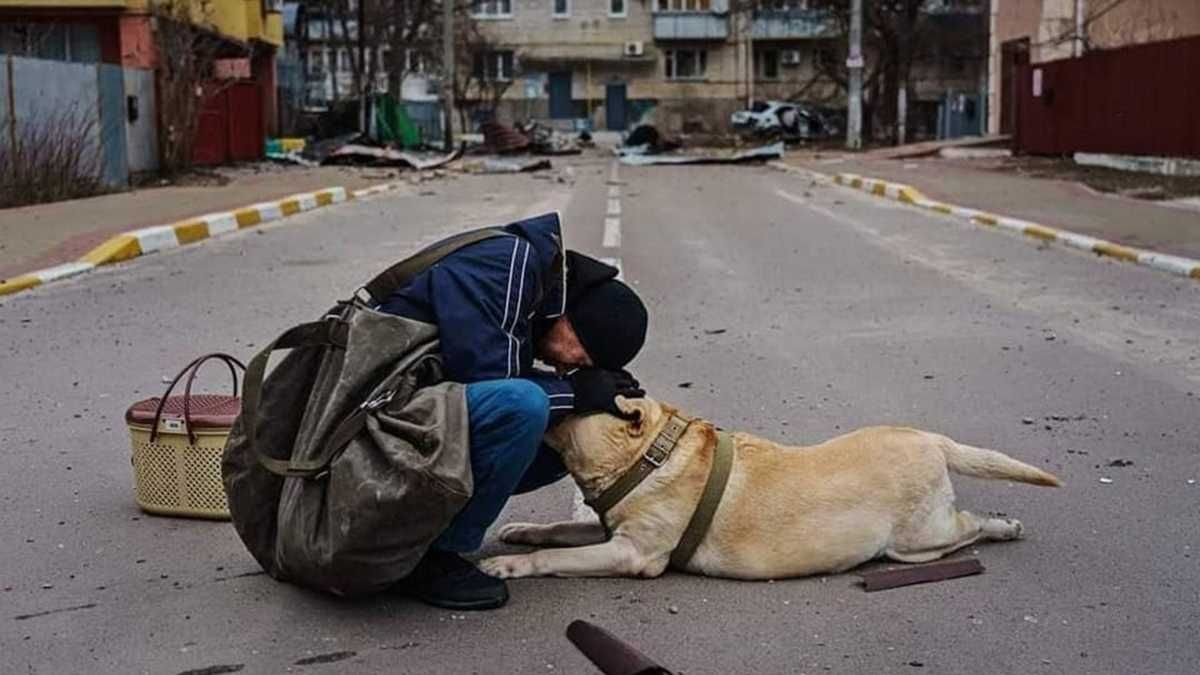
[792,310]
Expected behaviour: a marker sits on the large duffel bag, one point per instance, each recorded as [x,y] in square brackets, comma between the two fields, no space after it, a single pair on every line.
[353,455]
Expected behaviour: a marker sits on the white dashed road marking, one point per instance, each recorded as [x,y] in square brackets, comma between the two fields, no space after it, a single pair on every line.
[612,232]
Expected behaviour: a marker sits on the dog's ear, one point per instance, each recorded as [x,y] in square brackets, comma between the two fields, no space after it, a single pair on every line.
[634,408]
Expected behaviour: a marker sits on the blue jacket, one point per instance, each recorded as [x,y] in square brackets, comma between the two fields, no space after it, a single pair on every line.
[491,301]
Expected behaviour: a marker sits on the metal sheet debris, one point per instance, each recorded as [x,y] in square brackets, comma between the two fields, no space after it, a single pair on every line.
[920,574]
[762,154]
[509,165]
[365,155]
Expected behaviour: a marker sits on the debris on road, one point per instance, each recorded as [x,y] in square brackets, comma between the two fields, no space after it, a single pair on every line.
[503,139]
[516,165]
[645,139]
[532,136]
[919,574]
[546,141]
[365,155]
[763,154]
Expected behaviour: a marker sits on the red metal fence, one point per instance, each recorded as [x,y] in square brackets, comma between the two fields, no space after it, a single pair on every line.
[1140,100]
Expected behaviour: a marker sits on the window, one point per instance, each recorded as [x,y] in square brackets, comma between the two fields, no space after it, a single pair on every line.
[491,9]
[684,5]
[767,64]
[316,62]
[562,9]
[616,8]
[686,64]
[494,66]
[77,42]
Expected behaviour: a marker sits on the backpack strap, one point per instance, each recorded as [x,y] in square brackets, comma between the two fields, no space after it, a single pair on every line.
[333,331]
[402,273]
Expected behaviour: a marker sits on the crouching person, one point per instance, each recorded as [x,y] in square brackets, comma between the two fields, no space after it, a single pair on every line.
[499,304]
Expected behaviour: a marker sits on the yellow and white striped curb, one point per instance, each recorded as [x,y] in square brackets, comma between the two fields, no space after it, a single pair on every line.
[1181,266]
[147,240]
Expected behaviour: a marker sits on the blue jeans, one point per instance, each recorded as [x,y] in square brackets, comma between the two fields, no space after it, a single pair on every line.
[507,419]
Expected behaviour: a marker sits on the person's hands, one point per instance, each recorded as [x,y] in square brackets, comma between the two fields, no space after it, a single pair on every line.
[596,390]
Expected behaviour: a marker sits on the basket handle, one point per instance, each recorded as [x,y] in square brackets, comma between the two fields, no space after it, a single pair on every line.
[190,370]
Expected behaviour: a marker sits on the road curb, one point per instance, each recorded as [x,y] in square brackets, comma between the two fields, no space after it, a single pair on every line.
[1177,265]
[146,240]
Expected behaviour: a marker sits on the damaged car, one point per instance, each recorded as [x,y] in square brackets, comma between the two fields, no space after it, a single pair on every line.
[790,121]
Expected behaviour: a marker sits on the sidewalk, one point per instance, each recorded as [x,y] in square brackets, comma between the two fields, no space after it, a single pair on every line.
[1065,205]
[44,235]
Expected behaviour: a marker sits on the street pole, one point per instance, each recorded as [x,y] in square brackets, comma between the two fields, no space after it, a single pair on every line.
[448,71]
[855,64]
[364,87]
[750,70]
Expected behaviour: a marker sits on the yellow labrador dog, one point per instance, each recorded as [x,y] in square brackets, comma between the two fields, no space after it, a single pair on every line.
[786,511]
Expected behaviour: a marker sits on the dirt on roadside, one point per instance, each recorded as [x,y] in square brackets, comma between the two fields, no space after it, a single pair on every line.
[1125,183]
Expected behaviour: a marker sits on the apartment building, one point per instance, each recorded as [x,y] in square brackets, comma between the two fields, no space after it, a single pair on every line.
[683,64]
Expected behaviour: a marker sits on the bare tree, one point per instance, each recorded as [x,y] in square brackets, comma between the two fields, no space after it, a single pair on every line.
[185,61]
[483,73]
[896,35]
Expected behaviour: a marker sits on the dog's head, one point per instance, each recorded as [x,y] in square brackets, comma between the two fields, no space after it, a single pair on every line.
[595,448]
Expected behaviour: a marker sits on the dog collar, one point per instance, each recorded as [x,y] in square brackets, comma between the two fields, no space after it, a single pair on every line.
[655,456]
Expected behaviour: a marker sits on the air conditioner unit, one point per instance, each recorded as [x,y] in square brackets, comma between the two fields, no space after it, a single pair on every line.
[635,48]
[791,57]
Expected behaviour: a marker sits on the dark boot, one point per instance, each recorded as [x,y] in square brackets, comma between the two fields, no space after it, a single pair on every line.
[447,580]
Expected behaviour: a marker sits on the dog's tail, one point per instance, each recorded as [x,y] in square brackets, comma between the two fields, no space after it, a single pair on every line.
[983,463]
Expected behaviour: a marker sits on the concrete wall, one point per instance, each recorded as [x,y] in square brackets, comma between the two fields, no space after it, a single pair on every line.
[141,138]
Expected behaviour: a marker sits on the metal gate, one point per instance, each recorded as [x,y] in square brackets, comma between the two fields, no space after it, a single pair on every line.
[1139,100]
[231,127]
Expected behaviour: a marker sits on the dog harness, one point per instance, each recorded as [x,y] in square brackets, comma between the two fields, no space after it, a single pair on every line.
[657,455]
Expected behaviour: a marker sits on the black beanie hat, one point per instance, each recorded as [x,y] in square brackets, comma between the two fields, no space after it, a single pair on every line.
[608,317]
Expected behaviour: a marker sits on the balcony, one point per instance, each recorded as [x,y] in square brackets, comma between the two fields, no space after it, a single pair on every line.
[690,26]
[793,24]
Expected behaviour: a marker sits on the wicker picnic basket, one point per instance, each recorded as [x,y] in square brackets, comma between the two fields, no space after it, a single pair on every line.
[177,445]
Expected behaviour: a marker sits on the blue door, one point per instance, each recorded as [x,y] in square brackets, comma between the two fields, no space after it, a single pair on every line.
[560,96]
[615,106]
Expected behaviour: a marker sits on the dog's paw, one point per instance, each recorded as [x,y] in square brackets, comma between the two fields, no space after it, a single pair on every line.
[507,566]
[520,533]
[1018,530]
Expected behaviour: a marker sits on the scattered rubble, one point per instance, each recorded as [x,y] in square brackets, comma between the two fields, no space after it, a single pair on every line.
[365,155]
[533,137]
[512,165]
